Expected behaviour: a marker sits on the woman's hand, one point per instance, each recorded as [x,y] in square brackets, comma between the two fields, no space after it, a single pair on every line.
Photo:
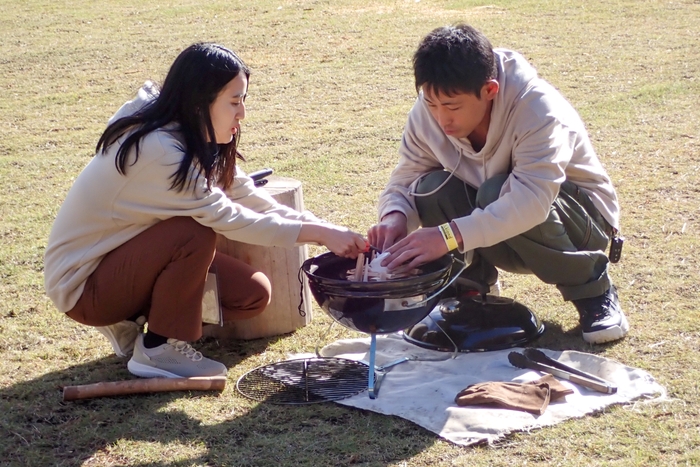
[340,240]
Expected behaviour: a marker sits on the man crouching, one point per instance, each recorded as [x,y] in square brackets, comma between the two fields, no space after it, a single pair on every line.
[496,161]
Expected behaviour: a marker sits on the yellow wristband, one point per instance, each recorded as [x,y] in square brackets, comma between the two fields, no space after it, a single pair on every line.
[449,236]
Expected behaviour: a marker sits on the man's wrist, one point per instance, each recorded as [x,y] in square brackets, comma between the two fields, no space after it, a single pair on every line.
[448,236]
[457,234]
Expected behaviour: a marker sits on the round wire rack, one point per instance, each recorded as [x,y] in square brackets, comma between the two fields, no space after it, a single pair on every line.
[305,381]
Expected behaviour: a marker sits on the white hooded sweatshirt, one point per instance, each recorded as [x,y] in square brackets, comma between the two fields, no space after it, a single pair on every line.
[105,209]
[534,131]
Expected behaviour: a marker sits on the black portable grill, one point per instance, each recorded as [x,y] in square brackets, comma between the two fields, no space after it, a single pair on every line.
[461,323]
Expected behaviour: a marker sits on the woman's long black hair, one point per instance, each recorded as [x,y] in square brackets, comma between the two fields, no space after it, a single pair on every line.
[194,81]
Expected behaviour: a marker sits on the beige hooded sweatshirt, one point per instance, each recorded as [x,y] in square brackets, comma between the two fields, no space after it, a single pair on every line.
[105,209]
[533,130]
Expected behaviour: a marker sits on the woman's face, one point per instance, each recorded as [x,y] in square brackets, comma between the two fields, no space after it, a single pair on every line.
[228,109]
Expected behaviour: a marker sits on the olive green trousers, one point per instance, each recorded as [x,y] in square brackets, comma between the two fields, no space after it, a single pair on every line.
[567,249]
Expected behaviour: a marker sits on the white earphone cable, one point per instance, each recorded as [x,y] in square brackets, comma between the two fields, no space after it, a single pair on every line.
[432,192]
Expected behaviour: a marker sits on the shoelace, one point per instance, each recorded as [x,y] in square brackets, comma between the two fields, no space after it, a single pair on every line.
[604,310]
[186,349]
[599,314]
[595,310]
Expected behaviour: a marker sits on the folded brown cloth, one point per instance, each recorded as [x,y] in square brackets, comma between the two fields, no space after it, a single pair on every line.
[532,397]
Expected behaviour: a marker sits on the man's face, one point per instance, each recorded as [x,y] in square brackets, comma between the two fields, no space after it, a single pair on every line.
[461,113]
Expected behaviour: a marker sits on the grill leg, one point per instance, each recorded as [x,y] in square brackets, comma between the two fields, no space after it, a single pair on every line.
[370,372]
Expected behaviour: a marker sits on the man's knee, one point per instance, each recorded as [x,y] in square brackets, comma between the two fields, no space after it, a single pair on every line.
[441,197]
[431,181]
[490,190]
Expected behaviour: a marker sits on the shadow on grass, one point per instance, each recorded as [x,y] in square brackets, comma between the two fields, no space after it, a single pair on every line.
[39,429]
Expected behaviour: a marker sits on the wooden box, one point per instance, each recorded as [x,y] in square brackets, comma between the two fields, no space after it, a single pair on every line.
[282,267]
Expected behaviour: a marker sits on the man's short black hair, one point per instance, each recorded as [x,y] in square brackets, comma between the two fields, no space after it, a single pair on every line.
[453,59]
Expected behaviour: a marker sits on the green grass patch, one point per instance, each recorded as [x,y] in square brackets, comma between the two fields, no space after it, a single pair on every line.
[330,90]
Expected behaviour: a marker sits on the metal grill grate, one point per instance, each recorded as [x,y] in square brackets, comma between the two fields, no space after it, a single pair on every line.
[304,381]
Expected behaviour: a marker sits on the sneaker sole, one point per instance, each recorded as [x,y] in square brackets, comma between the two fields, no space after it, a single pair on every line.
[610,334]
[147,371]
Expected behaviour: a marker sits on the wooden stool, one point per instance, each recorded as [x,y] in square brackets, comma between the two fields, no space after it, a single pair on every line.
[281,266]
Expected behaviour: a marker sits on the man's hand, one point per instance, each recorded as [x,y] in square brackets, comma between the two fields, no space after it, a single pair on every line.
[392,228]
[420,247]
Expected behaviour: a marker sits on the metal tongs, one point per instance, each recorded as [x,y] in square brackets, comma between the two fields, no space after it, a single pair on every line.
[537,360]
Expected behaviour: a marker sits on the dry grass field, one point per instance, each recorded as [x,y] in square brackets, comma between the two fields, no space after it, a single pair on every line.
[330,90]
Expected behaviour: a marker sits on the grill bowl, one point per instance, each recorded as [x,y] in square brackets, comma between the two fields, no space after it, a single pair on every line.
[374,307]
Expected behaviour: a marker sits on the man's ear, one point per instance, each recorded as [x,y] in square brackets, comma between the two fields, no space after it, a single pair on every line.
[490,89]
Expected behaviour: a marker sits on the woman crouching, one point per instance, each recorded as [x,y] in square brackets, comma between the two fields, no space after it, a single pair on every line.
[136,234]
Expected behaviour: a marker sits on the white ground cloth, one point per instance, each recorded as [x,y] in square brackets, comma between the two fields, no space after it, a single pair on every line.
[424,391]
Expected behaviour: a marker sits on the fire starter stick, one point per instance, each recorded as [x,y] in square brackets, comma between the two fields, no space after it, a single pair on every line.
[358,267]
[140,386]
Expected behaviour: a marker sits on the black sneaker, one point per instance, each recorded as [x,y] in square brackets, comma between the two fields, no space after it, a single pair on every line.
[602,319]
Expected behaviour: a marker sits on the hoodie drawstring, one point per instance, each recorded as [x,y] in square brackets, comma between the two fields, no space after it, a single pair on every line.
[452,172]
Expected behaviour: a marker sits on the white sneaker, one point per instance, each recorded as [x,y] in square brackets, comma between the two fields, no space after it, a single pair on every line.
[174,359]
[122,335]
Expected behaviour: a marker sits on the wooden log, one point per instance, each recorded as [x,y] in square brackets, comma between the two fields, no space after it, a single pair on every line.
[140,386]
[281,266]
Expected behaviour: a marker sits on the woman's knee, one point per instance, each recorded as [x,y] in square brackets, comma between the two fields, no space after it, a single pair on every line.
[258,293]
[190,238]
[191,229]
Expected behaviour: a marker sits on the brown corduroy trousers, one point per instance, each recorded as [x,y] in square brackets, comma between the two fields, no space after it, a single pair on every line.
[160,274]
